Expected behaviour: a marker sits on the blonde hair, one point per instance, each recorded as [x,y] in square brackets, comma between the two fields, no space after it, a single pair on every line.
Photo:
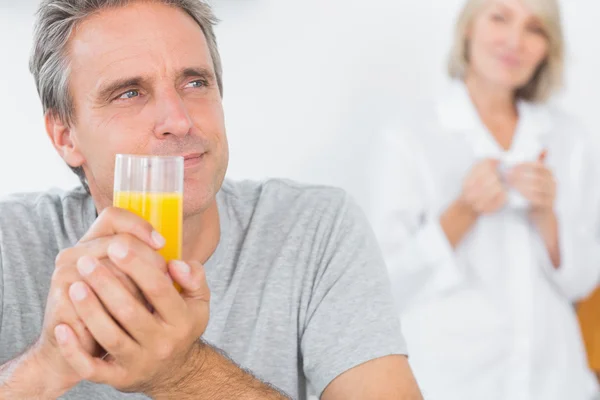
[549,75]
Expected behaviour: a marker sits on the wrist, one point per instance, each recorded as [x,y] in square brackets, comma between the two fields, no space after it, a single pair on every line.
[545,222]
[207,373]
[193,369]
[30,376]
[51,383]
[464,208]
[543,217]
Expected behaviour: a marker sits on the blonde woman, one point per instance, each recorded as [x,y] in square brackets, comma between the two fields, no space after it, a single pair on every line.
[486,206]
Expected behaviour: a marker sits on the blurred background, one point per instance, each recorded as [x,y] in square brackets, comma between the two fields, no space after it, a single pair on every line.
[306,83]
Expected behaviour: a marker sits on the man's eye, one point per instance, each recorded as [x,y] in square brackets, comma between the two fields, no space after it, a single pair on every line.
[129,94]
[197,83]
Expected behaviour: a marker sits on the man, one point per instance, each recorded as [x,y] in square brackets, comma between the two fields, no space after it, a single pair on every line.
[298,291]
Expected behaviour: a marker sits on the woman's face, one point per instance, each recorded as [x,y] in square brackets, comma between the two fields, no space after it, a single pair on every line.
[506,44]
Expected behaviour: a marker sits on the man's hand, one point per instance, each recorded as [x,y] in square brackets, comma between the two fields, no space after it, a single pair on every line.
[157,352]
[44,356]
[149,351]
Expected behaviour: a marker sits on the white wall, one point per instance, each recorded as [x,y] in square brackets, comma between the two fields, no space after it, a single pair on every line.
[305,83]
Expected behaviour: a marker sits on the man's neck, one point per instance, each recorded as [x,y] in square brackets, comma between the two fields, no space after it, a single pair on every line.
[201,234]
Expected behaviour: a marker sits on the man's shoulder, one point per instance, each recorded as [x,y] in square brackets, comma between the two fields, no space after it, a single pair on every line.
[39,205]
[55,215]
[281,195]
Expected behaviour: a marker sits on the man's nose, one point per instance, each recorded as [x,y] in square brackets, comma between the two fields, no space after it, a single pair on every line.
[172,117]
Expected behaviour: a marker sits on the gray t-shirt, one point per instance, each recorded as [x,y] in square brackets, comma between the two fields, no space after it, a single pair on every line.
[299,289]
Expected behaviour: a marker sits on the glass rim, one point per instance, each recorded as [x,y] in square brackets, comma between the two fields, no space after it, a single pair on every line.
[148,157]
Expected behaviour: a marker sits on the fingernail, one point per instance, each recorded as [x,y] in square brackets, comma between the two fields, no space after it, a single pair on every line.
[181,267]
[86,265]
[60,332]
[158,239]
[77,291]
[117,250]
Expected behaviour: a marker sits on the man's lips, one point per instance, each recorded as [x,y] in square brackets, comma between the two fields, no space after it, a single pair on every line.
[193,159]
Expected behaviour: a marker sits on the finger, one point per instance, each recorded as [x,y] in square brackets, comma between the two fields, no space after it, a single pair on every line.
[536,198]
[486,188]
[474,175]
[131,248]
[546,182]
[98,249]
[486,168]
[530,185]
[499,201]
[89,368]
[531,168]
[100,324]
[149,272]
[129,312]
[491,164]
[487,197]
[192,279]
[519,173]
[125,280]
[71,349]
[83,334]
[535,183]
[126,251]
[546,173]
[58,299]
[195,291]
[540,169]
[113,220]
[527,167]
[495,202]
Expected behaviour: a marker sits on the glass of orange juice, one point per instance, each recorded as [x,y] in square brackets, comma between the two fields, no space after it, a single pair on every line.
[152,187]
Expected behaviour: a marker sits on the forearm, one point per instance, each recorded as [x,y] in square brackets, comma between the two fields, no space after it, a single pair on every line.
[547,226]
[22,379]
[457,221]
[212,375]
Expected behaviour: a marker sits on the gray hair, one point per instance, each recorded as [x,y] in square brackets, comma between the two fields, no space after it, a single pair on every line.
[49,61]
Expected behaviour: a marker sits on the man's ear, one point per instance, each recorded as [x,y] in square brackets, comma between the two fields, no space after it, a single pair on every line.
[61,136]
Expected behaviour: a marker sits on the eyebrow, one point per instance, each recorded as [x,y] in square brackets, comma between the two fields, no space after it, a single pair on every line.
[120,84]
[107,90]
[199,72]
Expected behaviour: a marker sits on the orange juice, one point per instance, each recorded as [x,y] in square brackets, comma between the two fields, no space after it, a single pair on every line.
[164,211]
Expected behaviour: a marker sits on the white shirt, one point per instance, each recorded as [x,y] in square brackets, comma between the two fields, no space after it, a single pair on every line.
[491,319]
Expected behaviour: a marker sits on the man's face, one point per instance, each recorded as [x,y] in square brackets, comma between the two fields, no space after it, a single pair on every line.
[142,82]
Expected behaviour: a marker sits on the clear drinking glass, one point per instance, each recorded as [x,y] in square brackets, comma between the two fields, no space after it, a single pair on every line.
[152,187]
